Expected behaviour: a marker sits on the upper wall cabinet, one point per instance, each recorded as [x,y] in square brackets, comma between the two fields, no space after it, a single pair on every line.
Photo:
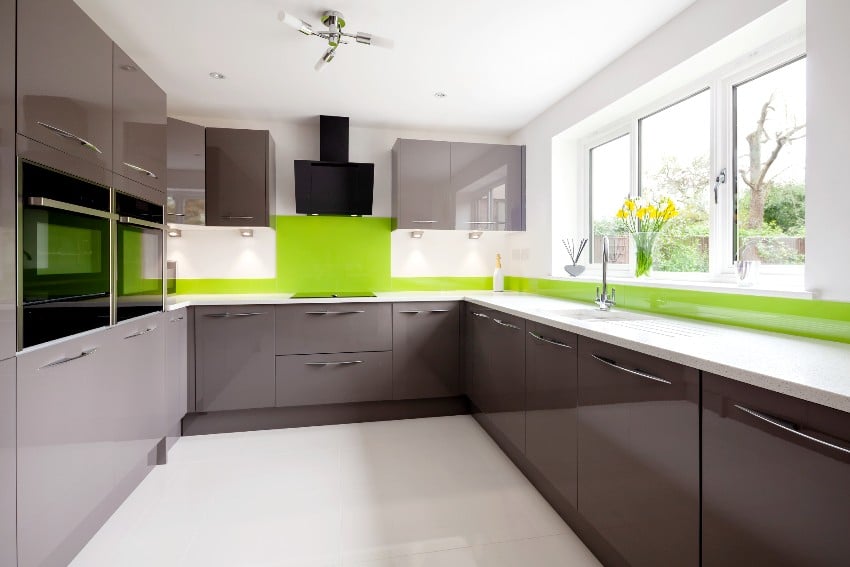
[186,167]
[240,177]
[64,80]
[454,185]
[139,114]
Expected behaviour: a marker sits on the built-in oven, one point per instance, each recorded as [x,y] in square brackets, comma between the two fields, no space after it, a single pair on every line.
[139,257]
[63,255]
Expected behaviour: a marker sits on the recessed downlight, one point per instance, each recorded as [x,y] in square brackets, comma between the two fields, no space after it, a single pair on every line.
[440,94]
[217,75]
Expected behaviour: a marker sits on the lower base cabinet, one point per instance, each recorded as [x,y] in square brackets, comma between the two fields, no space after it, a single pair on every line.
[7,464]
[315,379]
[638,455]
[776,479]
[176,372]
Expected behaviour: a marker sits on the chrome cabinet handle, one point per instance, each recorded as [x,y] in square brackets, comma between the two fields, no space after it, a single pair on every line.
[141,170]
[481,222]
[140,333]
[175,319]
[426,311]
[791,428]
[83,354]
[508,325]
[141,222]
[70,136]
[550,341]
[180,318]
[638,373]
[333,312]
[475,313]
[176,214]
[343,363]
[424,222]
[68,207]
[230,315]
[235,217]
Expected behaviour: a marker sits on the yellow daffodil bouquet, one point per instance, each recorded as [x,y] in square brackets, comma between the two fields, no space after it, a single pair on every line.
[644,218]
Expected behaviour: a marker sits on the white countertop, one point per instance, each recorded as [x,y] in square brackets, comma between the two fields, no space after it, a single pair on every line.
[809,369]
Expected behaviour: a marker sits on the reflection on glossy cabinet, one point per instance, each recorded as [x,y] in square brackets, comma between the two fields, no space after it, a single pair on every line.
[186,171]
[64,86]
[551,386]
[638,454]
[8,171]
[240,177]
[488,186]
[776,472]
[7,463]
[234,357]
[425,350]
[139,114]
[422,197]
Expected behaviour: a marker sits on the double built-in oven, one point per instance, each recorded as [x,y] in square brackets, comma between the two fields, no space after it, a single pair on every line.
[88,256]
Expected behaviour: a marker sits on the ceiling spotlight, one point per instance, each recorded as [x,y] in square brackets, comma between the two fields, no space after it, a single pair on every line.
[475,235]
[247,232]
[217,75]
[440,94]
[175,232]
[417,233]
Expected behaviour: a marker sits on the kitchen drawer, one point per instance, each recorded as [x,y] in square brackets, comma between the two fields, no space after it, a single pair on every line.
[333,378]
[333,327]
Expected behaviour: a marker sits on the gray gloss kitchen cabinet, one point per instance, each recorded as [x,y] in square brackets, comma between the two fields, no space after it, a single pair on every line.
[333,378]
[426,338]
[488,186]
[234,357]
[310,328]
[240,177]
[638,455]
[176,371]
[8,462]
[186,172]
[775,478]
[64,80]
[421,185]
[138,123]
[8,186]
[551,425]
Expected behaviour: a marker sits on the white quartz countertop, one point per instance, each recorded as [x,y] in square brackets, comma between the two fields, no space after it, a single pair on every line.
[809,369]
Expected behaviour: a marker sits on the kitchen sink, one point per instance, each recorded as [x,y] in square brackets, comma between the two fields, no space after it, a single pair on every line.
[597,315]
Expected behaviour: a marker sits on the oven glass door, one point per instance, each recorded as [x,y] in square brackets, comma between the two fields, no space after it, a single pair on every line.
[140,278]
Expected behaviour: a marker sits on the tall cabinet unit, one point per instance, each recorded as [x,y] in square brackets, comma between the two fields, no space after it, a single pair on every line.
[776,472]
[638,455]
[7,179]
[8,462]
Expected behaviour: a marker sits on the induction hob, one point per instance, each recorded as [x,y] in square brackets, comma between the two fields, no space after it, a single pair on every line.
[331,294]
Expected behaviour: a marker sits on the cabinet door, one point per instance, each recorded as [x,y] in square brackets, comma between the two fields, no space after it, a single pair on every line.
[8,187]
[421,188]
[66,447]
[776,472]
[7,463]
[333,378]
[333,327]
[638,454]
[502,381]
[551,386]
[234,357]
[186,171]
[65,80]
[478,328]
[139,114]
[426,339]
[488,186]
[237,177]
[177,369]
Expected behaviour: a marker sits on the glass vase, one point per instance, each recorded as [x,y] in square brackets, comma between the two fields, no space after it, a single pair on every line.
[644,244]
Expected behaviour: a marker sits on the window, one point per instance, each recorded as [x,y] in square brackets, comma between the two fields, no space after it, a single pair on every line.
[730,153]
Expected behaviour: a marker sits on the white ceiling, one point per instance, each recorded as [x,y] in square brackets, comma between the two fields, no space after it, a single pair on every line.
[501,62]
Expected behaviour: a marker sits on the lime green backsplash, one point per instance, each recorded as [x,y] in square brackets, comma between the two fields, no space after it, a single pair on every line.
[226,286]
[441,284]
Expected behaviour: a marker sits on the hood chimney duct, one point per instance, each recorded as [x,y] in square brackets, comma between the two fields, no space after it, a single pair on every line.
[333,138]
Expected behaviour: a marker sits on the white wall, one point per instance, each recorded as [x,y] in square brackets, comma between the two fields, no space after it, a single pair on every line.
[828,149]
[225,254]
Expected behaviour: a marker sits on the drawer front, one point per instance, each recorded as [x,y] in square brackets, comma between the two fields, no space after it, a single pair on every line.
[333,327]
[303,380]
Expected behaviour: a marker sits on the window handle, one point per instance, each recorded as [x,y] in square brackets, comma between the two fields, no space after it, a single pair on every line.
[720,179]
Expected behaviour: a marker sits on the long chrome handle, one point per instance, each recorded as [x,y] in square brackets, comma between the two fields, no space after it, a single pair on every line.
[550,341]
[141,170]
[140,333]
[235,217]
[83,354]
[638,373]
[68,207]
[176,214]
[477,314]
[70,136]
[508,325]
[424,221]
[416,311]
[141,222]
[333,312]
[481,222]
[791,428]
[229,315]
[342,363]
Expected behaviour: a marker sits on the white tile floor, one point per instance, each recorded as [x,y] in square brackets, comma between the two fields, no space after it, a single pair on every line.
[414,493]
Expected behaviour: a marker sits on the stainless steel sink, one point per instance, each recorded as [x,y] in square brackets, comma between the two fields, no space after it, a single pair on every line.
[597,315]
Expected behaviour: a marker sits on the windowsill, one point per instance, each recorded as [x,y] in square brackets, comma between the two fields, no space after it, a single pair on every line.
[768,286]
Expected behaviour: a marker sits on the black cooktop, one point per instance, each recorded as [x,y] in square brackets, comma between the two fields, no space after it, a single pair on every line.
[330,294]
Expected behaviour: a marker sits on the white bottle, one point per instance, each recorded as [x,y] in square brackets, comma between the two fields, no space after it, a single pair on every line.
[498,276]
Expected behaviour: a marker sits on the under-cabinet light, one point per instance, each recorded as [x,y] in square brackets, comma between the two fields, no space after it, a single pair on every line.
[417,233]
[475,235]
[247,232]
[175,232]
